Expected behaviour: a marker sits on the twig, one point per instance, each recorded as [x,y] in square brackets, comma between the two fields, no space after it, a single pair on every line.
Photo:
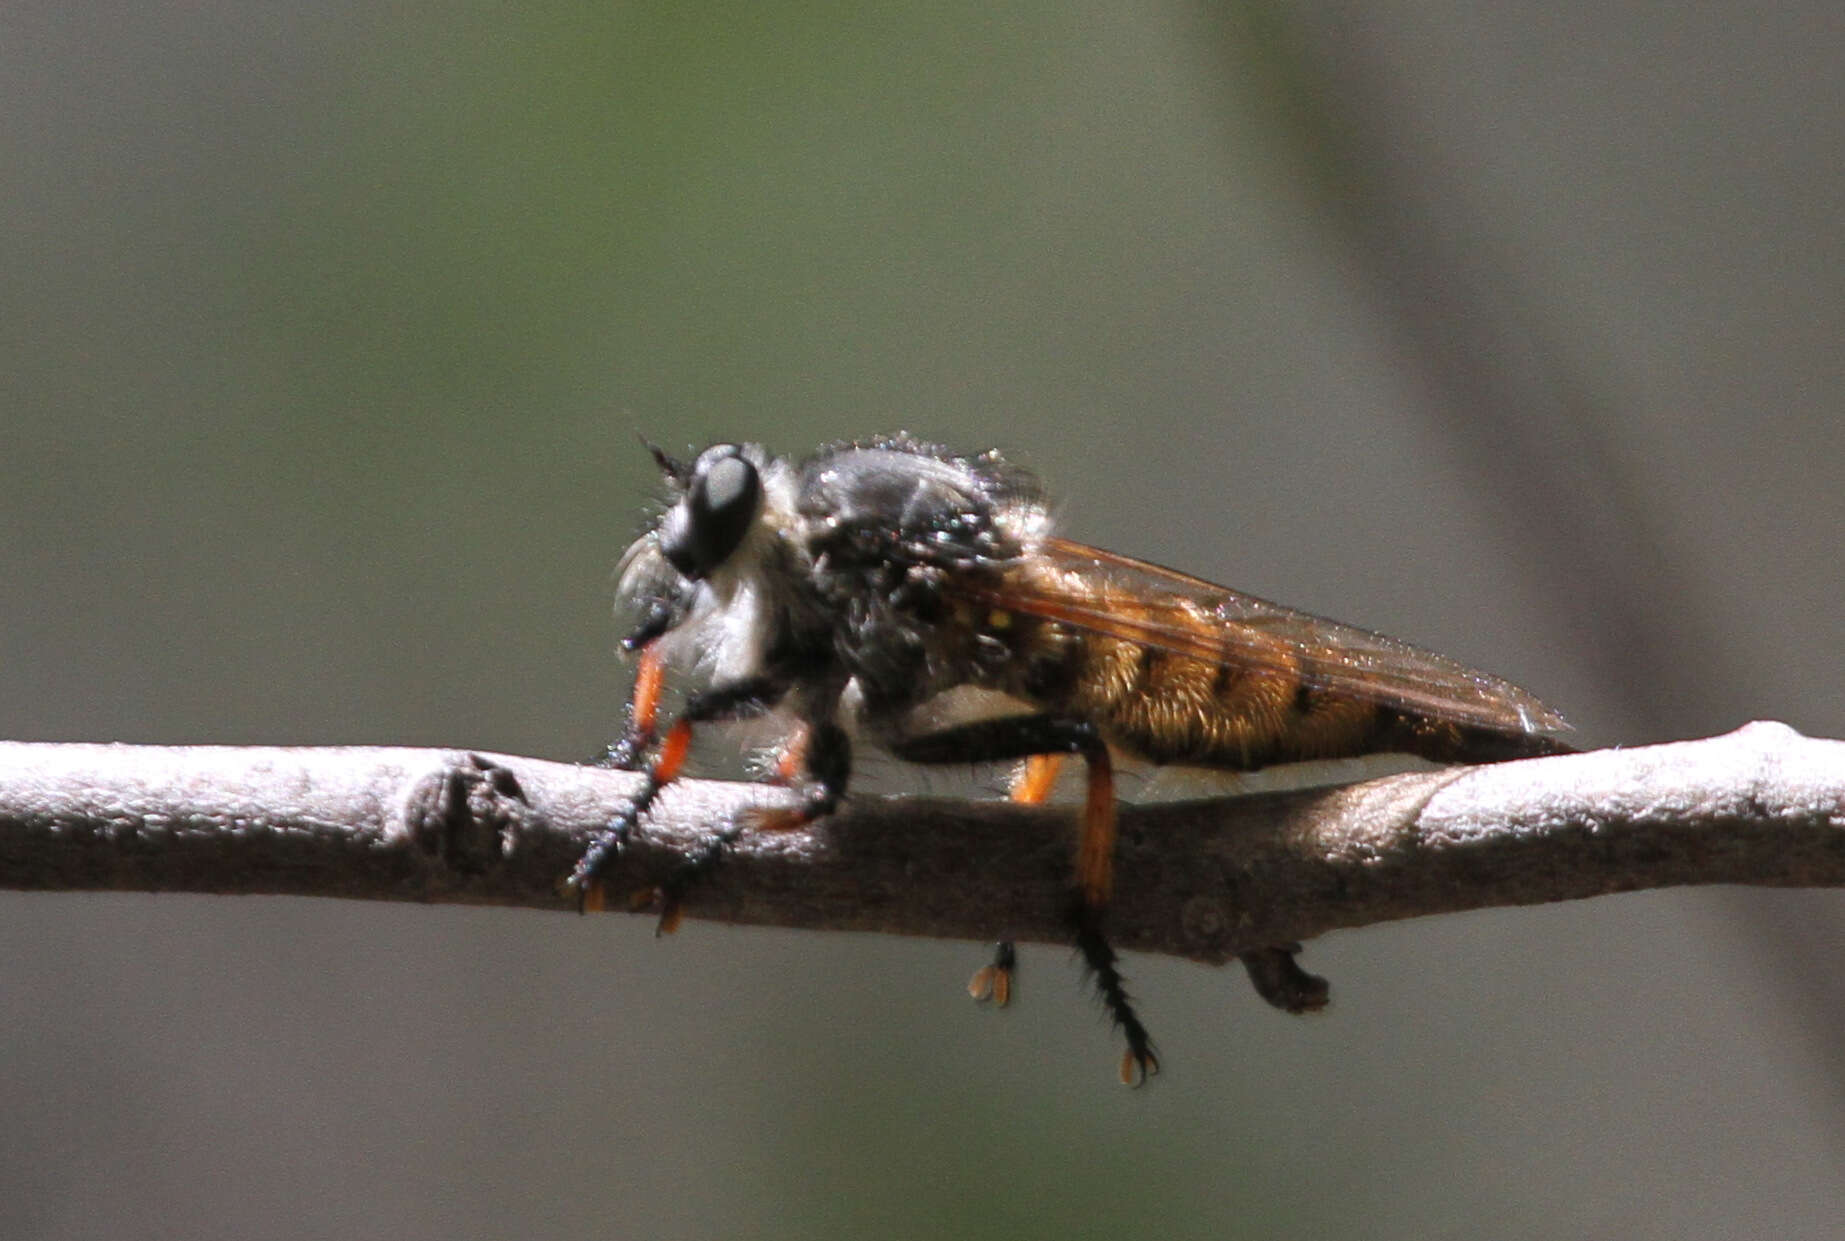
[1209,880]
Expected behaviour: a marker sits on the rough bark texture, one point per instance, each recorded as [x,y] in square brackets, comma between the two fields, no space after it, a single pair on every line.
[1209,880]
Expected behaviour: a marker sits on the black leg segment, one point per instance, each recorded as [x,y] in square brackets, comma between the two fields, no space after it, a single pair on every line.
[1000,740]
[743,699]
[828,762]
[1023,736]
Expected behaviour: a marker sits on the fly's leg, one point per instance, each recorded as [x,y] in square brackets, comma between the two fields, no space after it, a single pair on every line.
[660,616]
[737,700]
[628,754]
[1030,787]
[1025,736]
[994,980]
[825,752]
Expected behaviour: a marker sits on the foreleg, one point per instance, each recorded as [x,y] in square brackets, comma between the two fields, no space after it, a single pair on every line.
[664,756]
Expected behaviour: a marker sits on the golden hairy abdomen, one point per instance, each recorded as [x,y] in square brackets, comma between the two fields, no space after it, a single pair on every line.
[1172,708]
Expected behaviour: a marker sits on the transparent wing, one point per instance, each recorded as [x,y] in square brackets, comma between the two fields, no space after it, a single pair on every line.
[1101,592]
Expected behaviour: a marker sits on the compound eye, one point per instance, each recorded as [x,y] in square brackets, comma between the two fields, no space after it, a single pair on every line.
[720,503]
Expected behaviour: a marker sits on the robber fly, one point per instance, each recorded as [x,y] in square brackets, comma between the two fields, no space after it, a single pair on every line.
[858,586]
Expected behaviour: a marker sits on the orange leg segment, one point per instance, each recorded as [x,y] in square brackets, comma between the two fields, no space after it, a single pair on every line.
[1095,847]
[1036,778]
[735,700]
[649,678]
[1030,737]
[819,752]
[1031,786]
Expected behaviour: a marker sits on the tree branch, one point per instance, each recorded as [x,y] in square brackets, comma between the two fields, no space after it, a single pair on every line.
[1209,880]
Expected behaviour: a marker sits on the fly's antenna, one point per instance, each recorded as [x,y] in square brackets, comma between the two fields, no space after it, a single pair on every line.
[677,472]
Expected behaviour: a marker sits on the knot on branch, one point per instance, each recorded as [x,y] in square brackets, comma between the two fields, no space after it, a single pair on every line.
[467,815]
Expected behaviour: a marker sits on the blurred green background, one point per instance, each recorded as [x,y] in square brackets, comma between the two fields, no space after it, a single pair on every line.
[328,330]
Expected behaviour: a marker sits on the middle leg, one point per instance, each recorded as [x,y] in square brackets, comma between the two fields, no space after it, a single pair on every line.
[1035,737]
[1030,787]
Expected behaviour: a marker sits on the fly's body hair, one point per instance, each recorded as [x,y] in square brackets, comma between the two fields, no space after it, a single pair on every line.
[919,599]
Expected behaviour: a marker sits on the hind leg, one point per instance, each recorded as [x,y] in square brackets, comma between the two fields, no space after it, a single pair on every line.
[1039,736]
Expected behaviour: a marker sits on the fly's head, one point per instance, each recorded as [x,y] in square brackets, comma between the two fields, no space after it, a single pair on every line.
[719,500]
[710,553]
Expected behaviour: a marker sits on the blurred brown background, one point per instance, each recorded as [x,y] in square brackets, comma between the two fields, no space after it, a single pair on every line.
[327,330]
